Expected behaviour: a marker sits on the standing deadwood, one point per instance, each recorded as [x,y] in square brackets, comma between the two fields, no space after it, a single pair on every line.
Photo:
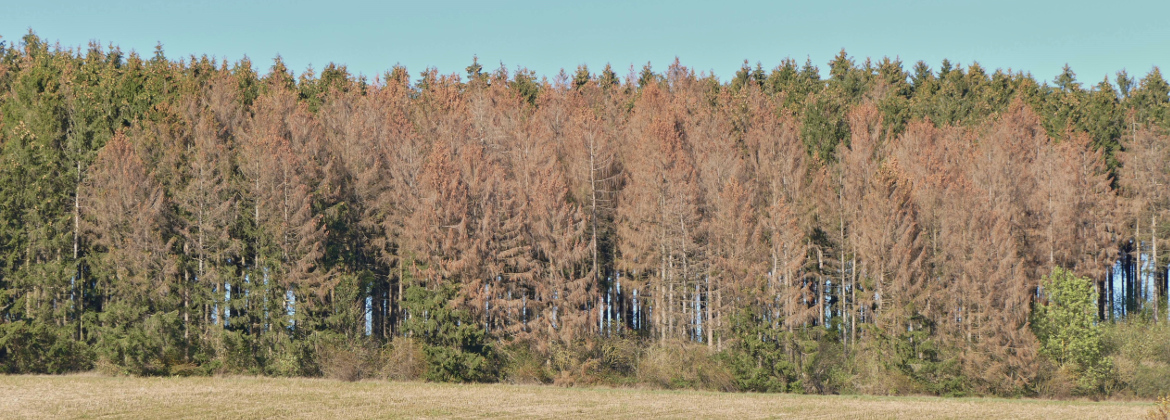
[509,160]
[658,208]
[777,159]
[437,244]
[890,246]
[207,200]
[1144,175]
[781,171]
[405,154]
[1001,348]
[1004,249]
[437,230]
[380,158]
[280,154]
[979,294]
[1006,153]
[126,214]
[554,278]
[589,153]
[721,172]
[858,165]
[495,234]
[735,256]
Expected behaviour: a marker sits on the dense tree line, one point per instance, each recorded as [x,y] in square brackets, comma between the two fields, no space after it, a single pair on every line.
[169,216]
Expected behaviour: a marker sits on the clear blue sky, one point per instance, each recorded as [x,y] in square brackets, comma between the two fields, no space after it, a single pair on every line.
[1096,38]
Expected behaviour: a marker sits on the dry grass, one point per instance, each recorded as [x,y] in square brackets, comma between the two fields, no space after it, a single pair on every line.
[93,396]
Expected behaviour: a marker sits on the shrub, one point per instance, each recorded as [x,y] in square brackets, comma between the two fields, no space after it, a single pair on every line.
[1160,410]
[403,360]
[757,356]
[1066,326]
[678,364]
[33,347]
[455,345]
[346,360]
[135,343]
[593,360]
[524,364]
[1140,352]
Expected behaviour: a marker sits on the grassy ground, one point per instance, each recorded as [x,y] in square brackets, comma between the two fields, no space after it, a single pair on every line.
[91,396]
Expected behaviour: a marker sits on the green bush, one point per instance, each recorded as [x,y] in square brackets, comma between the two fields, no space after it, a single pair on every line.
[134,341]
[590,360]
[290,357]
[757,357]
[33,347]
[1066,325]
[455,344]
[1140,352]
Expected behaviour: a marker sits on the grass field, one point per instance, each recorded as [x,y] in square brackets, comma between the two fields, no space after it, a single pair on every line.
[92,396]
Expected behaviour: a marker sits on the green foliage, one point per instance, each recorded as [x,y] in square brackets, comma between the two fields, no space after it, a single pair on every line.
[135,341]
[918,355]
[455,344]
[647,76]
[608,79]
[1140,353]
[581,77]
[1161,410]
[824,128]
[1151,99]
[65,306]
[524,83]
[1066,326]
[758,358]
[34,347]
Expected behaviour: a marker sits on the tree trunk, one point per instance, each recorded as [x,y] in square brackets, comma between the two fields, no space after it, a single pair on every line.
[710,331]
[78,284]
[820,286]
[853,305]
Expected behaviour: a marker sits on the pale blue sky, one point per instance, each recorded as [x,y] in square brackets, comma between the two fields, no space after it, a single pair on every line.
[1096,38]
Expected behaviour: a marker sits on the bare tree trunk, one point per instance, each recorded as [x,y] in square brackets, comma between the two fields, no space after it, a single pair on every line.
[773,277]
[593,208]
[710,331]
[853,305]
[1138,281]
[670,297]
[663,275]
[719,317]
[820,286]
[841,286]
[78,284]
[186,303]
[401,312]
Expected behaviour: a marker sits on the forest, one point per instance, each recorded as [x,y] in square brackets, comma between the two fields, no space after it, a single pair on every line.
[889,229]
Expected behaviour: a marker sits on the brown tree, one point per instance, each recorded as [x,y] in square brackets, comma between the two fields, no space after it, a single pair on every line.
[127,216]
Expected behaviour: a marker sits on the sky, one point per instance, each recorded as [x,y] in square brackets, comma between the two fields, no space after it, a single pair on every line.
[1095,38]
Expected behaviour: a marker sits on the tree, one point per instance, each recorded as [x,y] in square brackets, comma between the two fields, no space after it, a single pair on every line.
[658,209]
[1067,329]
[455,345]
[277,153]
[39,187]
[128,218]
[206,200]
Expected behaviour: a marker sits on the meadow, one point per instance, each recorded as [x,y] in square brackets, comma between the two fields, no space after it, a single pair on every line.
[96,396]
